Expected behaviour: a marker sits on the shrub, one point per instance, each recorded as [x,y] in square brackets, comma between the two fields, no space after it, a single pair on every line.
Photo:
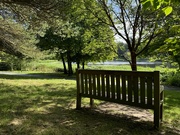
[165,75]
[4,66]
[174,80]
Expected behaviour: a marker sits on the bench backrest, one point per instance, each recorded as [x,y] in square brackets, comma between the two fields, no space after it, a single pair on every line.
[137,88]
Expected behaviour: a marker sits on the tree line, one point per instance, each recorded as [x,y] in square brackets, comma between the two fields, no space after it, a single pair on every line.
[84,30]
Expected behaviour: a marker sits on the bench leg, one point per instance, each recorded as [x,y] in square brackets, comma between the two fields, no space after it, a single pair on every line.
[157,118]
[161,107]
[78,102]
[161,113]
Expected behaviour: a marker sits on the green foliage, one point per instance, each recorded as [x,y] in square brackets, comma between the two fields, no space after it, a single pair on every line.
[44,66]
[16,39]
[167,10]
[13,62]
[16,63]
[166,46]
[174,79]
[81,39]
[156,4]
[34,13]
[122,51]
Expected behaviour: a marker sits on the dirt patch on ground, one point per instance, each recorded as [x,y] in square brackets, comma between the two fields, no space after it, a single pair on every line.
[137,113]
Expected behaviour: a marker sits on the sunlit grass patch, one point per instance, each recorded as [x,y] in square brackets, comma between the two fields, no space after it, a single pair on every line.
[172,108]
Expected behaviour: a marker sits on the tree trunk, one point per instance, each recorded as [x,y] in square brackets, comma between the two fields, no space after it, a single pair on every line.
[64,64]
[83,65]
[133,61]
[70,71]
[78,65]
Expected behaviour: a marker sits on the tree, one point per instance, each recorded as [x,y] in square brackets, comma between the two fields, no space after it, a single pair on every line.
[59,40]
[77,43]
[81,39]
[122,50]
[40,8]
[16,39]
[166,46]
[37,15]
[95,39]
[134,25]
[34,14]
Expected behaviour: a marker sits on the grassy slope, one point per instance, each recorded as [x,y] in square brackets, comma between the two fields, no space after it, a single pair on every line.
[45,106]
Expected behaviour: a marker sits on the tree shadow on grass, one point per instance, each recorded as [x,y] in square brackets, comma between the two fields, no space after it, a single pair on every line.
[11,75]
[44,110]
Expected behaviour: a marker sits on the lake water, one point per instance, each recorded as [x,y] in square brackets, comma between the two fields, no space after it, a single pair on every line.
[125,63]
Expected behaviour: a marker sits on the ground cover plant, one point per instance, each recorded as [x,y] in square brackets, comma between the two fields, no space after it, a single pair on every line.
[44,105]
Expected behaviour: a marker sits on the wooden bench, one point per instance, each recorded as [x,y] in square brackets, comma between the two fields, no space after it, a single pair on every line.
[134,88]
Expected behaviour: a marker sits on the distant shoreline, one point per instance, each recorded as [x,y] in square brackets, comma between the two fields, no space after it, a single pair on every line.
[123,63]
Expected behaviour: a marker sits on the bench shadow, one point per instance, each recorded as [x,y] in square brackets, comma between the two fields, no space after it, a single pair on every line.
[126,124]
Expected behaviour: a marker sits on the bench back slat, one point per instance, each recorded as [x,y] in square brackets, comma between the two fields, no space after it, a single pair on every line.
[135,89]
[142,90]
[98,84]
[90,84]
[86,84]
[113,87]
[149,90]
[118,90]
[94,84]
[130,87]
[103,85]
[123,79]
[82,83]
[107,86]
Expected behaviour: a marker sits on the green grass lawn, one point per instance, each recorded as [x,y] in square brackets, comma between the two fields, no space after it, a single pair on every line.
[45,105]
[53,65]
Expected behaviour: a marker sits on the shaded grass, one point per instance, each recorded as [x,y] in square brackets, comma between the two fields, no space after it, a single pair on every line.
[40,106]
[35,75]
